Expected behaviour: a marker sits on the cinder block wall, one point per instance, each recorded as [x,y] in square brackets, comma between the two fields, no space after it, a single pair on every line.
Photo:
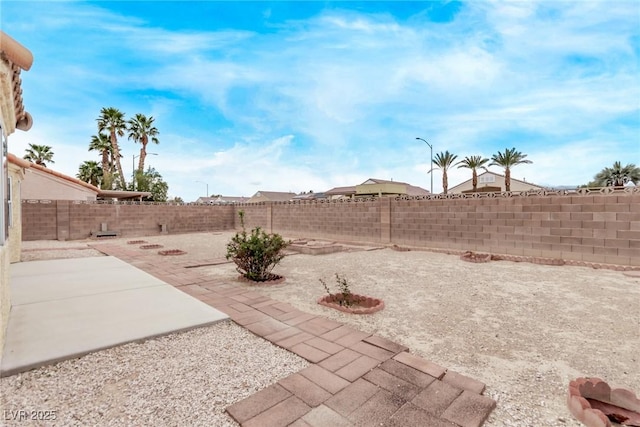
[39,220]
[602,228]
[347,220]
[63,219]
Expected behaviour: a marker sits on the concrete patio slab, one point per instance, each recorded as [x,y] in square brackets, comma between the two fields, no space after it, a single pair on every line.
[67,308]
[39,281]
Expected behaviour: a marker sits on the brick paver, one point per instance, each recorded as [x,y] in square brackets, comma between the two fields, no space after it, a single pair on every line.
[355,379]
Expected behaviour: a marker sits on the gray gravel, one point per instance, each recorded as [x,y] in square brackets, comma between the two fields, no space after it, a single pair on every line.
[525,330]
[181,379]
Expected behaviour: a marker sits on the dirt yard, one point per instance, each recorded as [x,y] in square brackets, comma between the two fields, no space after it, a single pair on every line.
[525,330]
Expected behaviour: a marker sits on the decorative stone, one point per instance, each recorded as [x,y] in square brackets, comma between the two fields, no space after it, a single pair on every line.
[360,304]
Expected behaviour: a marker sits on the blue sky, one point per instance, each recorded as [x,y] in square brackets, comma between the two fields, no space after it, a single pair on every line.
[299,96]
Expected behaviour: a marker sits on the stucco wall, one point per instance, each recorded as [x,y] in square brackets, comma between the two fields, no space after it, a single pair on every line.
[516,185]
[15,231]
[5,302]
[41,185]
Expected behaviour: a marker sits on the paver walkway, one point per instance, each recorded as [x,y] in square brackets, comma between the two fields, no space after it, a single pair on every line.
[355,379]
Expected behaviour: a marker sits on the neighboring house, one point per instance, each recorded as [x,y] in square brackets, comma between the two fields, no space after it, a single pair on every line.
[309,196]
[271,196]
[14,58]
[491,182]
[377,187]
[41,183]
[222,200]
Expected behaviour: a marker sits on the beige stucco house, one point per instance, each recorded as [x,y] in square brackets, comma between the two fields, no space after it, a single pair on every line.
[41,183]
[491,182]
[271,196]
[377,187]
[14,58]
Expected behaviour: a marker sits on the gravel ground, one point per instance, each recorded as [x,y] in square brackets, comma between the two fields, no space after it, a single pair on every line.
[181,379]
[525,330]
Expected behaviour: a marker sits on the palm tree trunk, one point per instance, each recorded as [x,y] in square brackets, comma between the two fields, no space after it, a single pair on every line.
[143,154]
[116,155]
[474,180]
[445,182]
[105,169]
[507,179]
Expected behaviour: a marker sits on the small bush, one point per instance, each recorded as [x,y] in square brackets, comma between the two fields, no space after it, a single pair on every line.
[345,296]
[257,253]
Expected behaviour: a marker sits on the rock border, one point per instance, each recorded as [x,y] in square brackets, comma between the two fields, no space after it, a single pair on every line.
[276,280]
[172,252]
[153,246]
[589,397]
[470,256]
[366,305]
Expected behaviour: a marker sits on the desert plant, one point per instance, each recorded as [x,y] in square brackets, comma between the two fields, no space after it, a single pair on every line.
[257,253]
[345,297]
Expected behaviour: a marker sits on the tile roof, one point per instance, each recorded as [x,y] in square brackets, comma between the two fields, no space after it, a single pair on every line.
[20,58]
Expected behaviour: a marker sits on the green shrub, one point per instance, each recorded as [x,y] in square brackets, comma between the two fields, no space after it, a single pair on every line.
[257,253]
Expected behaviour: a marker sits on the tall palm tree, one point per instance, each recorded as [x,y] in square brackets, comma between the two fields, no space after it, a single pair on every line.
[444,161]
[507,160]
[617,176]
[91,172]
[141,130]
[102,144]
[473,163]
[39,154]
[112,120]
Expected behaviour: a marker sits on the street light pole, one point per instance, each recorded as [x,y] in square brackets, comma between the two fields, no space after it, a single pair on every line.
[133,171]
[431,165]
[206,195]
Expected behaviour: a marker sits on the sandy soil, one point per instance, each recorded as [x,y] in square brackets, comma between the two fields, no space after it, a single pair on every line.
[525,330]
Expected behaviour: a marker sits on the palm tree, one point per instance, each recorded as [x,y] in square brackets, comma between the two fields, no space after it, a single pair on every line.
[617,176]
[39,154]
[102,144]
[91,172]
[507,160]
[444,161]
[141,130]
[112,120]
[473,163]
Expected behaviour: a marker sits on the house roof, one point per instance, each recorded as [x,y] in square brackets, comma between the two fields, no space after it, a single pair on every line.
[109,194]
[411,190]
[20,58]
[123,195]
[341,191]
[495,174]
[18,161]
[275,196]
